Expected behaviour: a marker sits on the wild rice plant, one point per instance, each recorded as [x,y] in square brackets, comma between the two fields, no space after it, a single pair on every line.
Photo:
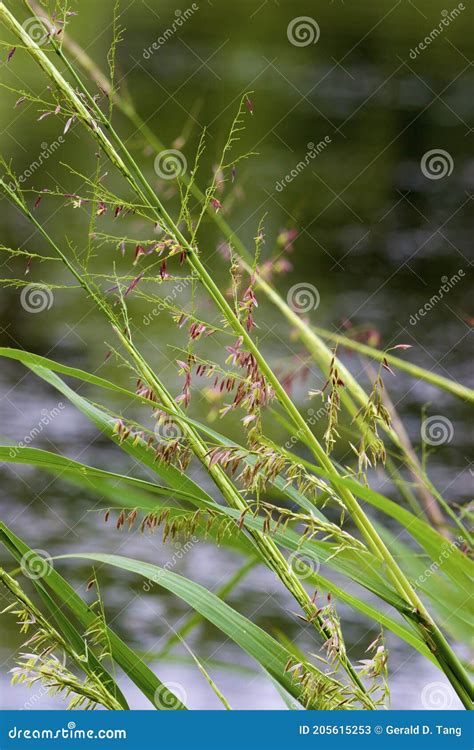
[271,500]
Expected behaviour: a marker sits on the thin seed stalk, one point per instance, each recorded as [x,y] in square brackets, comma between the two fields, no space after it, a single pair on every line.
[132,173]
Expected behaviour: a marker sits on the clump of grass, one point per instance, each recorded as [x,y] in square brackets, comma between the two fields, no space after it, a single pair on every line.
[271,501]
[47,655]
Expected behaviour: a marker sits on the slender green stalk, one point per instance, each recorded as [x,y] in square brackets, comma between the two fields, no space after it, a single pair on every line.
[431,498]
[456,389]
